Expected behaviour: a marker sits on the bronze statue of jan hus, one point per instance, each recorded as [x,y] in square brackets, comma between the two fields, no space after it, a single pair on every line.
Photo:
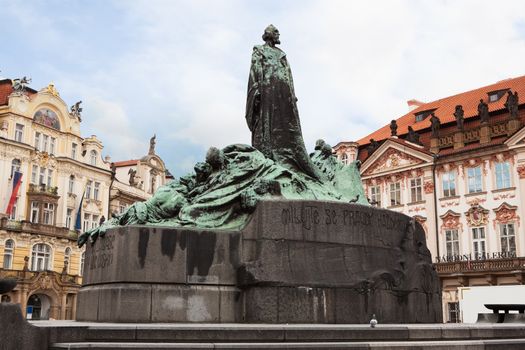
[271,108]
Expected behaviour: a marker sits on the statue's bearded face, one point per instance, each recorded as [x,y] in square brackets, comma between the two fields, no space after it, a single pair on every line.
[271,35]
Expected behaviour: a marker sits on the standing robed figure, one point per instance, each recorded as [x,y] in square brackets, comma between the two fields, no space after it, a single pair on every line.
[271,109]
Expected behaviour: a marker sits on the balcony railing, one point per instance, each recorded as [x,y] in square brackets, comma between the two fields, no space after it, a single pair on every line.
[41,229]
[43,188]
[506,264]
[26,276]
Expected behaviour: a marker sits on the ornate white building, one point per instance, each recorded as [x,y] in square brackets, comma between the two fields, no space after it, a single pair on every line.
[463,180]
[61,171]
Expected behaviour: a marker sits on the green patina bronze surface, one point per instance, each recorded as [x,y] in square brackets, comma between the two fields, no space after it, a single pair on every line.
[224,190]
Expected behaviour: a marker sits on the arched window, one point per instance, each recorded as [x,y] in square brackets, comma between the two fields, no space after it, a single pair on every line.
[9,250]
[15,166]
[344,158]
[82,257]
[41,257]
[71,187]
[67,259]
[93,157]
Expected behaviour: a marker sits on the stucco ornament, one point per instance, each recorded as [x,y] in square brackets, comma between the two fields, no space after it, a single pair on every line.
[223,191]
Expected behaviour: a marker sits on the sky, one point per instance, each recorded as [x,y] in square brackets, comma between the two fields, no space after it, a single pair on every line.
[179,69]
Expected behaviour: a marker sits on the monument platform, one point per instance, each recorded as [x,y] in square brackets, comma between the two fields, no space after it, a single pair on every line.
[80,335]
[294,262]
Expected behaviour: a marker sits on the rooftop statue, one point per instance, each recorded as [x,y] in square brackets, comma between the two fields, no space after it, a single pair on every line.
[435,124]
[223,191]
[512,104]
[483,112]
[19,85]
[458,114]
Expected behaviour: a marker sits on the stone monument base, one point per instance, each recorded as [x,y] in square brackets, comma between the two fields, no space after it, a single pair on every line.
[294,262]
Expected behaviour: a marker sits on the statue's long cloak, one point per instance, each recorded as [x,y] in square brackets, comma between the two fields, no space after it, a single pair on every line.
[271,111]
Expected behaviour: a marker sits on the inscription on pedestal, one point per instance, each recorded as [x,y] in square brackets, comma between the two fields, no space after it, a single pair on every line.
[310,216]
[102,254]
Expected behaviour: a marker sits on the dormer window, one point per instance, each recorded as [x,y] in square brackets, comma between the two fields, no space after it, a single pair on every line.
[93,157]
[420,116]
[496,95]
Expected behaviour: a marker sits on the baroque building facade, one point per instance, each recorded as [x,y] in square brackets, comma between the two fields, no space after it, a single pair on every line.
[61,173]
[457,165]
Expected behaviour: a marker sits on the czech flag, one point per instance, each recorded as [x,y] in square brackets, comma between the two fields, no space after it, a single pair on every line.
[17,181]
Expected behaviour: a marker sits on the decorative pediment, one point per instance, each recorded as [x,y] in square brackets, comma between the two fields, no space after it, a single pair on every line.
[517,140]
[506,213]
[451,220]
[477,216]
[392,159]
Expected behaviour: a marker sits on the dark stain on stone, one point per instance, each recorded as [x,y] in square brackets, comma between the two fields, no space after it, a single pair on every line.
[168,243]
[182,239]
[201,251]
[143,245]
[234,249]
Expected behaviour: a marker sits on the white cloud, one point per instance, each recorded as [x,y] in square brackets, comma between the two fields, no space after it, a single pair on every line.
[180,68]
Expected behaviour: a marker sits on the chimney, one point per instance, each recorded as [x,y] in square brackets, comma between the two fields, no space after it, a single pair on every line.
[413,104]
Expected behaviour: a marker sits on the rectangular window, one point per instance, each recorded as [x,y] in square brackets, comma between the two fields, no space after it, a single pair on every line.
[502,175]
[45,141]
[37,141]
[42,177]
[449,184]
[395,193]
[8,254]
[453,312]
[478,241]
[508,238]
[474,180]
[34,174]
[74,150]
[94,221]
[375,195]
[49,177]
[34,212]
[122,208]
[96,190]
[87,220]
[69,217]
[71,186]
[52,144]
[49,214]
[15,167]
[416,190]
[19,132]
[452,242]
[89,185]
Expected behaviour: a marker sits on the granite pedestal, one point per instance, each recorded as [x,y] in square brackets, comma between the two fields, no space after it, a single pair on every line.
[294,262]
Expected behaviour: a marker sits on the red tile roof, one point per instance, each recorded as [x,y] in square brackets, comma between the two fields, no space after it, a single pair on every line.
[445,107]
[126,163]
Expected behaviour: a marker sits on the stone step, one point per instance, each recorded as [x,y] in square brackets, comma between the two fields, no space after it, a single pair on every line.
[492,344]
[235,333]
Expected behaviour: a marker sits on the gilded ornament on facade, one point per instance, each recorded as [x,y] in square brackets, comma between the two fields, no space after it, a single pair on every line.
[428,187]
[477,216]
[52,90]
